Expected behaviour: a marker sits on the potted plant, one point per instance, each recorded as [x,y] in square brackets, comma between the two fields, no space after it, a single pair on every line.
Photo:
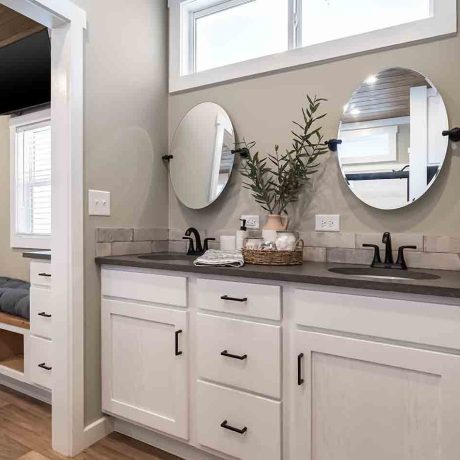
[276,180]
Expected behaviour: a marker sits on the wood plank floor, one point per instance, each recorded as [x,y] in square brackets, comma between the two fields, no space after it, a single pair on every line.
[25,434]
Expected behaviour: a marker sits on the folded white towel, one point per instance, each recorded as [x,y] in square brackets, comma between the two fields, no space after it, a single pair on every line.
[220,259]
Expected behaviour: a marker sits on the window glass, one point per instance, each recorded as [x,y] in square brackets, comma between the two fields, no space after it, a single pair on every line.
[325,20]
[238,33]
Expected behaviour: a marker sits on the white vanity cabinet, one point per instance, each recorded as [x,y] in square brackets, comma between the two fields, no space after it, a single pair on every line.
[145,351]
[251,370]
[358,398]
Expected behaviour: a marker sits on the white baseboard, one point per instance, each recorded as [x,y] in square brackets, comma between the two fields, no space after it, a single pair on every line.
[170,445]
[96,431]
[29,390]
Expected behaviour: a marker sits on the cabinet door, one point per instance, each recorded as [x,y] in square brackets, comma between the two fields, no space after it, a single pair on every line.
[361,400]
[144,365]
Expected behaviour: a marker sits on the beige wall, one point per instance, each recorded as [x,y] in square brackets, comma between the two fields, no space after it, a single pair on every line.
[126,127]
[125,136]
[12,263]
[262,109]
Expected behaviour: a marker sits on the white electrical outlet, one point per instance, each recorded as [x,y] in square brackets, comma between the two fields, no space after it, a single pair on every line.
[252,222]
[327,223]
[98,203]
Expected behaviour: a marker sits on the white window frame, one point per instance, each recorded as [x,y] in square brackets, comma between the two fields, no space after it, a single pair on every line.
[181,41]
[390,133]
[17,239]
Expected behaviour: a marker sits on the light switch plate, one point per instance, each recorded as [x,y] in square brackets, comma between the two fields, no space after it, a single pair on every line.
[98,203]
[327,223]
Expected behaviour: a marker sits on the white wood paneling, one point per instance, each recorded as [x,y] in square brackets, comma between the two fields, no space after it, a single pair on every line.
[253,300]
[261,418]
[362,400]
[144,380]
[148,287]
[418,322]
[261,343]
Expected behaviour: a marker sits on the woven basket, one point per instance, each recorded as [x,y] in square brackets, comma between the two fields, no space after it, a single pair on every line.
[259,257]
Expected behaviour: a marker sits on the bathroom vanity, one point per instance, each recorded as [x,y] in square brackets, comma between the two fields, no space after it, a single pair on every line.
[280,362]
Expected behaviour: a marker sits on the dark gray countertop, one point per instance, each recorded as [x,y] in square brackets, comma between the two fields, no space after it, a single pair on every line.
[448,285]
[41,255]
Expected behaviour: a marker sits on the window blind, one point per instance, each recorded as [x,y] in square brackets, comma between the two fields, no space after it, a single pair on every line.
[33,175]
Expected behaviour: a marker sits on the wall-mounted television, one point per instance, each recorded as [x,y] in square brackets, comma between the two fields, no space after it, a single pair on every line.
[25,74]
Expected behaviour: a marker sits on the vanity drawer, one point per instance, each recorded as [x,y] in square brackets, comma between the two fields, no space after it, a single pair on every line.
[41,361]
[40,273]
[251,357]
[41,312]
[257,419]
[409,321]
[255,300]
[147,287]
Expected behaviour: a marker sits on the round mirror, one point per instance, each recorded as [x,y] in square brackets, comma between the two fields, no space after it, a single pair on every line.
[392,144]
[202,155]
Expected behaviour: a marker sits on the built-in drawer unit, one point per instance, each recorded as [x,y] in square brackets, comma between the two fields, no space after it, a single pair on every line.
[239,424]
[41,361]
[41,312]
[147,287]
[253,300]
[409,321]
[40,273]
[240,353]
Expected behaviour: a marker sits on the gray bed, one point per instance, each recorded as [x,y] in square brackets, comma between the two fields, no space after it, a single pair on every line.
[15,297]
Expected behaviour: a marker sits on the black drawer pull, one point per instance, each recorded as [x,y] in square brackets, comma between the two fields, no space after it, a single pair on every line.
[229,355]
[300,380]
[44,366]
[225,425]
[176,345]
[46,275]
[234,299]
[44,315]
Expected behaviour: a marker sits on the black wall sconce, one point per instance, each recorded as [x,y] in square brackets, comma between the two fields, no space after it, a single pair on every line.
[454,134]
[333,144]
[167,158]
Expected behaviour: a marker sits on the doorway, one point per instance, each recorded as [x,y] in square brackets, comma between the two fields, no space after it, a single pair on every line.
[67,24]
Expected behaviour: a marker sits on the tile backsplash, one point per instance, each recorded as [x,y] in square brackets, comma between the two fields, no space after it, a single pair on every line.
[433,252]
[436,252]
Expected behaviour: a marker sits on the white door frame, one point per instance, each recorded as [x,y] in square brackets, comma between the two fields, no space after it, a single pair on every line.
[68,23]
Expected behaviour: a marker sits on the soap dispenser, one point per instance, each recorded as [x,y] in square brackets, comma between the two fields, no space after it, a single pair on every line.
[241,235]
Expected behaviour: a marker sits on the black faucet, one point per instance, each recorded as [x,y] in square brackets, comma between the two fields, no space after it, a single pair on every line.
[386,240]
[199,249]
[389,261]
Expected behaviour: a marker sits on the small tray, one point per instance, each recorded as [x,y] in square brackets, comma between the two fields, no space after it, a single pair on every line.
[260,257]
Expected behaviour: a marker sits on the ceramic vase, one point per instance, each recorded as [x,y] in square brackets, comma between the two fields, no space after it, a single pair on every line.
[275,223]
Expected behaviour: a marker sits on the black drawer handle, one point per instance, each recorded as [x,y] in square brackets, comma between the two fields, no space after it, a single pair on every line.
[176,345]
[44,366]
[234,299]
[300,380]
[229,355]
[225,425]
[44,315]
[45,275]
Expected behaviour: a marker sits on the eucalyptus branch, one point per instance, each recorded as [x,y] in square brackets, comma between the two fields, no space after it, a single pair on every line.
[276,187]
